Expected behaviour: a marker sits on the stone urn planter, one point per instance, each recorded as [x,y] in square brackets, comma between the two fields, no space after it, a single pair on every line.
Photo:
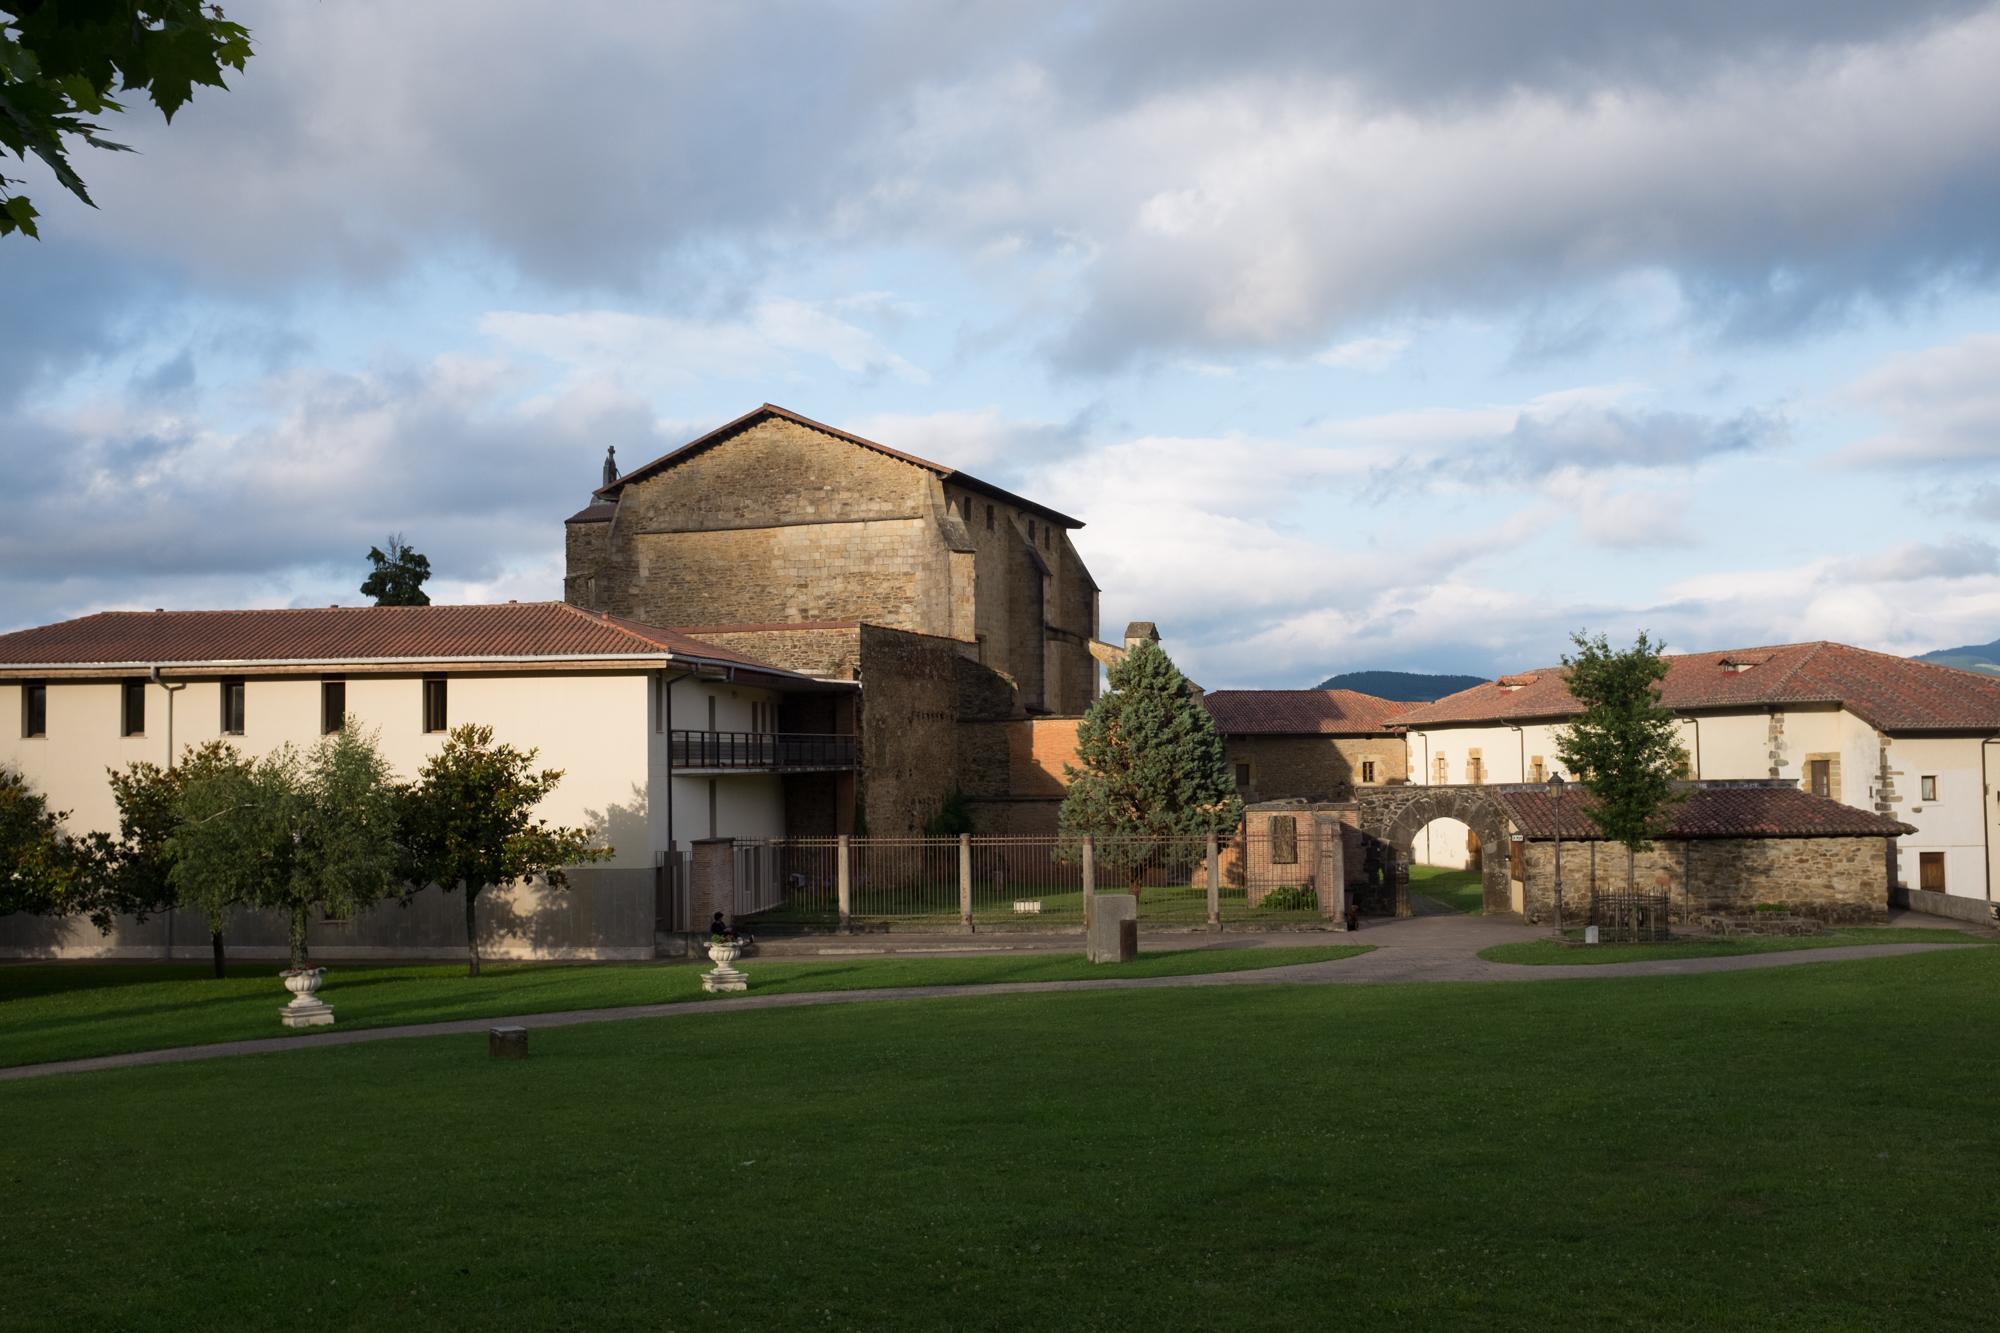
[306,1010]
[724,976]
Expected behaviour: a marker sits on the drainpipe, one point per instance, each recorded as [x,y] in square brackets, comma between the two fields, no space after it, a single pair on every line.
[171,691]
[1697,746]
[1521,738]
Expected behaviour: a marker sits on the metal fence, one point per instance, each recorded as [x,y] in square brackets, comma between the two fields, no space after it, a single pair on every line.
[1640,915]
[672,905]
[986,882]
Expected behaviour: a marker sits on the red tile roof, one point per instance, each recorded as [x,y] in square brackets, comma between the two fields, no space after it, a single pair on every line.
[1300,712]
[1711,810]
[503,631]
[950,475]
[1893,693]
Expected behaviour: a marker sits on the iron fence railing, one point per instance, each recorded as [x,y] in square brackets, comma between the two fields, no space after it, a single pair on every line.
[774,751]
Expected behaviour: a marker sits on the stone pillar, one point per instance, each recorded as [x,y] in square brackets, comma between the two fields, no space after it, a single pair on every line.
[1214,883]
[1113,936]
[1332,876]
[1089,879]
[843,885]
[714,881]
[965,880]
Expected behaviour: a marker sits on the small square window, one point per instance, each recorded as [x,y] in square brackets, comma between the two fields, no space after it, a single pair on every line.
[434,699]
[1927,788]
[34,709]
[232,707]
[132,713]
[332,706]
[1368,770]
[1243,775]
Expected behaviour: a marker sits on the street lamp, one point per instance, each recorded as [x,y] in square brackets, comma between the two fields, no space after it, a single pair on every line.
[1555,785]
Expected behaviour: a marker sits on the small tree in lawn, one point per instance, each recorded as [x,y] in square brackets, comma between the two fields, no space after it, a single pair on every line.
[1150,766]
[214,856]
[469,823]
[41,869]
[1624,748]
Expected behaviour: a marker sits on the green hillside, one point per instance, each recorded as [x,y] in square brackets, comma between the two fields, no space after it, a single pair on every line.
[1981,657]
[1404,686]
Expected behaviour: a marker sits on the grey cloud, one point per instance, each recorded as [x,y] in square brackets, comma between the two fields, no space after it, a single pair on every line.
[1595,438]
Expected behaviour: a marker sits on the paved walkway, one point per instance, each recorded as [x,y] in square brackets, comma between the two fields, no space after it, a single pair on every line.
[1440,947]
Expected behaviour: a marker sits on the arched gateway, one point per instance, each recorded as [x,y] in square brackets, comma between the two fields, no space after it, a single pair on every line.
[1392,817]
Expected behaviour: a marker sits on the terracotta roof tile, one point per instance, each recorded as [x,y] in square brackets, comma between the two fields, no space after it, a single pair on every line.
[1710,810]
[1896,694]
[508,630]
[1300,712]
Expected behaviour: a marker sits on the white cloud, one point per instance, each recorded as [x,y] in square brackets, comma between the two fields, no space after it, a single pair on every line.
[1943,403]
[1367,354]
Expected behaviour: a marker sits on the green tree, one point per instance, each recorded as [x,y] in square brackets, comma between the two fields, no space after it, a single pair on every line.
[61,61]
[303,834]
[1151,766]
[212,857]
[469,823]
[397,578]
[41,869]
[1624,748]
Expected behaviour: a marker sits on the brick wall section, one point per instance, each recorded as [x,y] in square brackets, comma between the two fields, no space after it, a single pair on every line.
[1835,879]
[1314,768]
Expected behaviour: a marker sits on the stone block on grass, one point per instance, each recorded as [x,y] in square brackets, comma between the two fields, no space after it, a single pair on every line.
[1114,929]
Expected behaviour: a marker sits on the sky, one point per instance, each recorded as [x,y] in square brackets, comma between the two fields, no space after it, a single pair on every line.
[1360,333]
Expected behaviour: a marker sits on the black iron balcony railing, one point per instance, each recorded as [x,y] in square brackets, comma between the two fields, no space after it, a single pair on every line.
[778,752]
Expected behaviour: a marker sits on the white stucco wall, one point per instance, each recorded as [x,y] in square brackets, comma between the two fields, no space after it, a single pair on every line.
[591,725]
[1952,823]
[1442,843]
[746,805]
[1507,752]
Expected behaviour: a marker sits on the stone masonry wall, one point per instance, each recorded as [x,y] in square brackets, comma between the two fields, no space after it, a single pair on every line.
[1313,768]
[1835,879]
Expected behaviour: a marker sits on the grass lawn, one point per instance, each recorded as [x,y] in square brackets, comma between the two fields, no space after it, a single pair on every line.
[66,1011]
[1728,1151]
[1541,952]
[1459,890]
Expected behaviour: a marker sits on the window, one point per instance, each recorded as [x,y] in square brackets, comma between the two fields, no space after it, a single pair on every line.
[965,509]
[1927,789]
[989,518]
[332,706]
[132,715]
[232,708]
[1535,770]
[1475,769]
[1243,775]
[1367,770]
[1819,777]
[711,808]
[1284,840]
[434,698]
[1930,871]
[34,709]
[1442,771]
[711,721]
[1031,532]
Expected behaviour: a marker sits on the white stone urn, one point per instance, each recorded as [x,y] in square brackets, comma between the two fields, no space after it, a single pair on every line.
[724,977]
[306,1010]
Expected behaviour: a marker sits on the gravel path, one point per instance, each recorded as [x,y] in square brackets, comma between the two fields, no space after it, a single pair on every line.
[1432,947]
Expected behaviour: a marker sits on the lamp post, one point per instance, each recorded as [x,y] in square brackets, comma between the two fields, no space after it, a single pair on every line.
[1555,785]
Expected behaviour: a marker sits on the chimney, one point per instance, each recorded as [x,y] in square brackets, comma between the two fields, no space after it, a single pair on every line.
[1140,631]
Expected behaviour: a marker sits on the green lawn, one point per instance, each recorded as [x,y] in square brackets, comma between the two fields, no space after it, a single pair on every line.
[65,1011]
[1459,890]
[1728,1151]
[1540,952]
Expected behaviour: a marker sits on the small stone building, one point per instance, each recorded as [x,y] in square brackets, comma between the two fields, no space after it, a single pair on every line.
[1729,849]
[1316,745]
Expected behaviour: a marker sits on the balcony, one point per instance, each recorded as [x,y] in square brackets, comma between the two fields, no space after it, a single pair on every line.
[760,752]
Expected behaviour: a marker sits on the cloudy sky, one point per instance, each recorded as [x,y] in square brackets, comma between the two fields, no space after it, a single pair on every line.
[1400,334]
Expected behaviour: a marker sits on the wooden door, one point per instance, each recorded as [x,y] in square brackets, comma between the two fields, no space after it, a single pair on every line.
[1930,871]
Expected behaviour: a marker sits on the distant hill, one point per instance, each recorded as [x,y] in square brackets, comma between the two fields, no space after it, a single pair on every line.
[1981,657]
[1413,687]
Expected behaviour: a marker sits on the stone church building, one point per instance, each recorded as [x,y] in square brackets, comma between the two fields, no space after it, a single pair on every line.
[962,609]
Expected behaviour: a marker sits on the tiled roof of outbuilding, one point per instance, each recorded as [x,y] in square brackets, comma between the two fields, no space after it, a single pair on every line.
[1300,712]
[1893,693]
[1710,810]
[506,631]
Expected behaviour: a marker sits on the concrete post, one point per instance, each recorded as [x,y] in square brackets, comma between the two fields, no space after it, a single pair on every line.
[965,880]
[845,889]
[1214,884]
[1089,879]
[714,876]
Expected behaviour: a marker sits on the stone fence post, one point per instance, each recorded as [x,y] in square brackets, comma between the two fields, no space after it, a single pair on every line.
[842,882]
[1214,883]
[713,872]
[965,880]
[1089,879]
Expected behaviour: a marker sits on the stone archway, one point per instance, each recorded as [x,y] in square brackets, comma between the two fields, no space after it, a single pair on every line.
[1392,817]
